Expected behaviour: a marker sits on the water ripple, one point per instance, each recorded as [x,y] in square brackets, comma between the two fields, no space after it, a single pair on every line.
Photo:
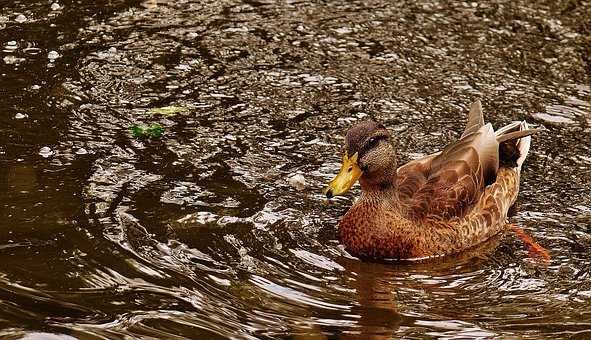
[200,234]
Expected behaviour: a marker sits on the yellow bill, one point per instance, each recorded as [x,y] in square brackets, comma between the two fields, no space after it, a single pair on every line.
[348,175]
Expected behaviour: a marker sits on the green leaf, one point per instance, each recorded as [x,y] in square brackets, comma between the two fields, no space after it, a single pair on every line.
[141,131]
[137,131]
[155,131]
[168,110]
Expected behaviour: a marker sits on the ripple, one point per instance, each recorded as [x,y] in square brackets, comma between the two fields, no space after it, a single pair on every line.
[200,233]
[293,295]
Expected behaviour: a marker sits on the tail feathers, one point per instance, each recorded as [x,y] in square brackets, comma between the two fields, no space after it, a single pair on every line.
[475,119]
[516,135]
[514,142]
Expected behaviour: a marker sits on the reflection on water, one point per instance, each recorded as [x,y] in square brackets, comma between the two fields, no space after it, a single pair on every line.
[200,234]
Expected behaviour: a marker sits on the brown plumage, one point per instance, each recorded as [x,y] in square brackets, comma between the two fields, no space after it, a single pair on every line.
[437,205]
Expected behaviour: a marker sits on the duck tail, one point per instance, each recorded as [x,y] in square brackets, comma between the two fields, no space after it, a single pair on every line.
[514,141]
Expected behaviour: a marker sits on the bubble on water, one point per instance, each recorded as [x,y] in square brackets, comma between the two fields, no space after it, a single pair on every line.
[4,19]
[20,18]
[297,181]
[52,55]
[20,116]
[55,6]
[81,151]
[46,152]
[11,45]
[35,87]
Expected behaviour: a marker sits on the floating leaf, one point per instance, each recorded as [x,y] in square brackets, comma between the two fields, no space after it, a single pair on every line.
[168,110]
[152,131]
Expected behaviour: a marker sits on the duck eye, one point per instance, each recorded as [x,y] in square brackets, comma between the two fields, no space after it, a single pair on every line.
[372,142]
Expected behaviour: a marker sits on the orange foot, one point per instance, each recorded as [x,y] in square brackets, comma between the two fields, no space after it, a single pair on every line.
[533,248]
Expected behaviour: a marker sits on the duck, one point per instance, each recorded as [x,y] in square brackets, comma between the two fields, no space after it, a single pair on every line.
[437,205]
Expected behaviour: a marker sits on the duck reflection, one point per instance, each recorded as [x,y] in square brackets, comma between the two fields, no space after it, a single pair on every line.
[380,306]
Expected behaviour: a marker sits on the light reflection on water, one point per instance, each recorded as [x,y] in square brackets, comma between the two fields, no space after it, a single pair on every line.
[200,233]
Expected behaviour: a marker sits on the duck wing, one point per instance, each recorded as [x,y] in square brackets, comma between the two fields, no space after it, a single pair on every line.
[413,176]
[449,183]
[457,176]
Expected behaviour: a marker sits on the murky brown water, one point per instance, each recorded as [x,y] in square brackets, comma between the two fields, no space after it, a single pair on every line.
[199,235]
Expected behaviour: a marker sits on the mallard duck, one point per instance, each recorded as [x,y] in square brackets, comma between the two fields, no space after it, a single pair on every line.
[433,206]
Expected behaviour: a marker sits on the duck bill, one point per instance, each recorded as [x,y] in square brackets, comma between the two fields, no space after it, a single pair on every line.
[348,175]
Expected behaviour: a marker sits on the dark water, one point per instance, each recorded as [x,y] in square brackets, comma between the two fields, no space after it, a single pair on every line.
[198,234]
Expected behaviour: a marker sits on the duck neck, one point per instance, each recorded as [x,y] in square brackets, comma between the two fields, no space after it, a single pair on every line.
[379,171]
[378,187]
[382,186]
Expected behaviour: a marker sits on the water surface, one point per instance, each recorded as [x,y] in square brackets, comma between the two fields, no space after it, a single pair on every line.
[198,234]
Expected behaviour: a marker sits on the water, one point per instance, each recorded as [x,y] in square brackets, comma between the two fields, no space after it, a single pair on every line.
[200,234]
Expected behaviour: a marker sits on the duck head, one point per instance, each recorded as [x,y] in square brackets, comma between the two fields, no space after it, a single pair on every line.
[369,156]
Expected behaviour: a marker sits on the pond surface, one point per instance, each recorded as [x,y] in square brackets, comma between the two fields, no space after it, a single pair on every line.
[198,234]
